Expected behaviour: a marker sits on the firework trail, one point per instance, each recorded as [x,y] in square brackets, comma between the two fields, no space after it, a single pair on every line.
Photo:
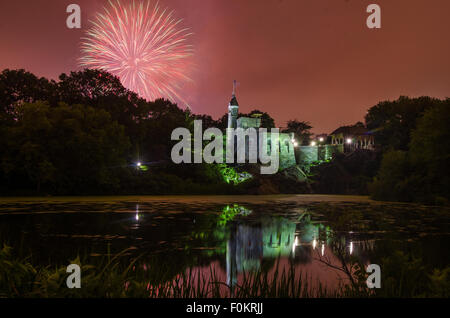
[143,45]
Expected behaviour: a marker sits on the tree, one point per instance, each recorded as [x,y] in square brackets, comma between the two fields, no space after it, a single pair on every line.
[392,121]
[207,121]
[421,173]
[266,120]
[101,89]
[19,86]
[301,129]
[391,182]
[156,130]
[26,154]
[430,152]
[222,122]
[67,149]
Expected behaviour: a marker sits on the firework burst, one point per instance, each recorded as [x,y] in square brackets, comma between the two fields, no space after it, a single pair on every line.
[144,45]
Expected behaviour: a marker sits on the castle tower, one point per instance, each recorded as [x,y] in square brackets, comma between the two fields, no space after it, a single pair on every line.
[233,109]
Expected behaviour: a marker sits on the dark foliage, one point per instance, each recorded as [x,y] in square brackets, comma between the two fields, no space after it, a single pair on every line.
[393,121]
[346,173]
[420,173]
[302,129]
[84,135]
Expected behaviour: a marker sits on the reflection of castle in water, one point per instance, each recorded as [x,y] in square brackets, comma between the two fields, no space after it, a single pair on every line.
[248,245]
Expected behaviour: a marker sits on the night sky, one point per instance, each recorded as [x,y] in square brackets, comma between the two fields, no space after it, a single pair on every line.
[312,60]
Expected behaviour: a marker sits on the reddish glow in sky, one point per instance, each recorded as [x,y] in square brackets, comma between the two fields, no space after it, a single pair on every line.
[309,60]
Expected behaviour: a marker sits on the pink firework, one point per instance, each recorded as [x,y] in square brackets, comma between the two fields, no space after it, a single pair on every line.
[143,45]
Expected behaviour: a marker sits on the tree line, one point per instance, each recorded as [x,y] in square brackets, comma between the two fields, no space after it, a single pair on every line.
[84,134]
[413,135]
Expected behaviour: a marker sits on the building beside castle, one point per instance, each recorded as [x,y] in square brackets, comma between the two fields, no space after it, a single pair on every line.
[353,137]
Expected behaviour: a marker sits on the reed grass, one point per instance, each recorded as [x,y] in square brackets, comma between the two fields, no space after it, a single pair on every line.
[112,277]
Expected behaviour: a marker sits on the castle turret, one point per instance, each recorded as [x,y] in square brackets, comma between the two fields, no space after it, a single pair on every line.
[233,109]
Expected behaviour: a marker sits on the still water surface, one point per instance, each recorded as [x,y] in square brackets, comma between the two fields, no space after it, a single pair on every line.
[316,235]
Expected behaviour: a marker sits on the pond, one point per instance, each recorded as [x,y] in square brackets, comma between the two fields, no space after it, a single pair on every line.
[314,239]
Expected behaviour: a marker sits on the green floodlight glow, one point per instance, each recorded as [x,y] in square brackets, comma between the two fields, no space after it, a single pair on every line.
[230,175]
[141,167]
[229,212]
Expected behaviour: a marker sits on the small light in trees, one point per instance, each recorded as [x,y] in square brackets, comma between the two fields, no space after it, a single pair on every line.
[313,143]
[138,164]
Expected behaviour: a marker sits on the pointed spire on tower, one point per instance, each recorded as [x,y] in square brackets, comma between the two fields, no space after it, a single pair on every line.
[233,109]
[234,101]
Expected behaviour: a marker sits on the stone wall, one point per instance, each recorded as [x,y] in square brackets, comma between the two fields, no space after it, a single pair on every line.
[326,151]
[248,122]
[309,154]
[285,147]
[287,151]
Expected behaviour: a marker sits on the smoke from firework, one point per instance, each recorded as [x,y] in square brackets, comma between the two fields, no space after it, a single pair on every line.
[144,45]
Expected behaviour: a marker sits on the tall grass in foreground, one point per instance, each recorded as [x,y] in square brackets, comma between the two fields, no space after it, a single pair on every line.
[111,278]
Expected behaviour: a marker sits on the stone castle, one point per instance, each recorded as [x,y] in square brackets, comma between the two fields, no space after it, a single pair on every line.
[286,141]
[343,140]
